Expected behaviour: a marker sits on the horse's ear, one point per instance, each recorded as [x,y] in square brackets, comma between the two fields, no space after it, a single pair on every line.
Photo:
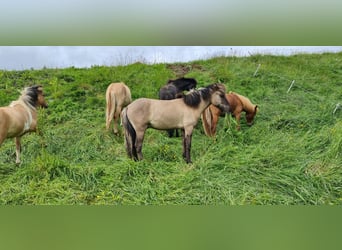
[256,109]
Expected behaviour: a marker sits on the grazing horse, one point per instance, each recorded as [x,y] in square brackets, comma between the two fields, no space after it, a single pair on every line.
[174,89]
[238,103]
[20,117]
[118,96]
[182,113]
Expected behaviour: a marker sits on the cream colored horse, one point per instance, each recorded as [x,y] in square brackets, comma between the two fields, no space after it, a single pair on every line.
[20,117]
[118,96]
[182,113]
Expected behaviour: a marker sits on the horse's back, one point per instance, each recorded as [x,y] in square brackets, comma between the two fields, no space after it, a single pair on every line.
[143,106]
[234,102]
[246,102]
[121,92]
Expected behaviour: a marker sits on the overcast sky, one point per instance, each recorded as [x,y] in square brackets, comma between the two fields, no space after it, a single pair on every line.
[37,57]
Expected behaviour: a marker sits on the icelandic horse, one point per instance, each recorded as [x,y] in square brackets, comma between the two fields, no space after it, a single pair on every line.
[238,104]
[20,117]
[182,113]
[118,96]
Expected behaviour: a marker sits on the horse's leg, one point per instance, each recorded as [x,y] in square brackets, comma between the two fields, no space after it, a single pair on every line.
[116,120]
[187,136]
[108,113]
[129,134]
[237,117]
[138,144]
[2,138]
[183,142]
[215,119]
[17,149]
[170,132]
[188,148]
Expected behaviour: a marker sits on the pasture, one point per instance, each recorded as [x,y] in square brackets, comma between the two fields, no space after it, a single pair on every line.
[291,155]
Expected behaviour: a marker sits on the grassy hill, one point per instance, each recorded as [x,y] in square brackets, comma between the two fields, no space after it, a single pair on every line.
[291,155]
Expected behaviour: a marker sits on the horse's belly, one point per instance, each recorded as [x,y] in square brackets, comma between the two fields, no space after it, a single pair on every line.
[12,126]
[15,131]
[167,122]
[163,124]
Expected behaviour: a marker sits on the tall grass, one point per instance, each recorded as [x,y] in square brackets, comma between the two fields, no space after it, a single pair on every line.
[291,155]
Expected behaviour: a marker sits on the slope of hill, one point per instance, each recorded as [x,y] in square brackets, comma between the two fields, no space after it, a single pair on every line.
[291,155]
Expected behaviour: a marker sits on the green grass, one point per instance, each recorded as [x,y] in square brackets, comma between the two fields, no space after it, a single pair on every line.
[291,155]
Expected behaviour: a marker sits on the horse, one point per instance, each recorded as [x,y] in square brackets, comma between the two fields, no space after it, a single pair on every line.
[238,104]
[182,113]
[174,89]
[20,117]
[118,96]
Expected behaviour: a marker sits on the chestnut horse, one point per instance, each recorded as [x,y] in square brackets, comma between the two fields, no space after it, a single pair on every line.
[174,89]
[238,103]
[20,117]
[118,96]
[182,113]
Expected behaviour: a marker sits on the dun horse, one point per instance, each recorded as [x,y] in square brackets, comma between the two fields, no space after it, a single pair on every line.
[174,89]
[20,117]
[118,96]
[238,104]
[182,113]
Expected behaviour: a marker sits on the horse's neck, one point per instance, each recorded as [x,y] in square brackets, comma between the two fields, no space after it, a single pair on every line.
[203,105]
[31,114]
[247,106]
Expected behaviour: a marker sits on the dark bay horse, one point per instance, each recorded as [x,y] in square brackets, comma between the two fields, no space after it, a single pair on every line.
[238,104]
[20,117]
[118,96]
[182,113]
[174,89]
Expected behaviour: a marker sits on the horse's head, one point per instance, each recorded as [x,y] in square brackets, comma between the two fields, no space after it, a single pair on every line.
[218,97]
[41,102]
[250,116]
[168,92]
[34,97]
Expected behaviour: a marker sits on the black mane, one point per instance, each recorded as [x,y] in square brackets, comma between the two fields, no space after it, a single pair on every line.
[194,98]
[30,95]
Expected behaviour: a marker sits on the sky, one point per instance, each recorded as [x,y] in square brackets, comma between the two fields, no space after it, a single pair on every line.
[37,57]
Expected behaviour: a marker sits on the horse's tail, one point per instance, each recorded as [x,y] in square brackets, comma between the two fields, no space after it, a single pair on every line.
[110,109]
[207,122]
[130,135]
